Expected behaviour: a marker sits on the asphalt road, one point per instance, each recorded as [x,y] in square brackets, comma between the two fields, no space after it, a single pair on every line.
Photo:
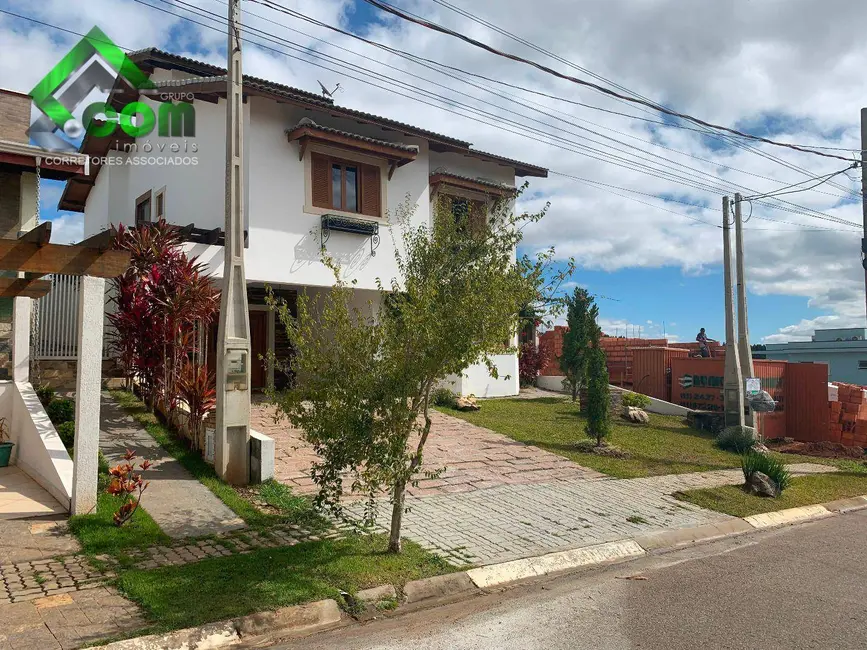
[793,588]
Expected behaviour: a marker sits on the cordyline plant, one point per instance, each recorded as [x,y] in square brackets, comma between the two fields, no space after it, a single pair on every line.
[364,375]
[129,485]
[161,300]
[196,389]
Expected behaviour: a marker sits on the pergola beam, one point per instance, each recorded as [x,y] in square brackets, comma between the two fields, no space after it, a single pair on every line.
[40,235]
[66,260]
[24,288]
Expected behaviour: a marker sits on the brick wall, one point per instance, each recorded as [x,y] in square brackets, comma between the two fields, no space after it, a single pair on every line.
[14,116]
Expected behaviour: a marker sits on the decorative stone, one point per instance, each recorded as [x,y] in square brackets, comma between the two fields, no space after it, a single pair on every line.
[467,404]
[761,485]
[635,414]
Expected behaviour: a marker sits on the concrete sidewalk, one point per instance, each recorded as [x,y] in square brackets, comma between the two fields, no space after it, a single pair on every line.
[176,500]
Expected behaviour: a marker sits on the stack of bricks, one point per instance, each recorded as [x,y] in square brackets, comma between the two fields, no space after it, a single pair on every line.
[849,415]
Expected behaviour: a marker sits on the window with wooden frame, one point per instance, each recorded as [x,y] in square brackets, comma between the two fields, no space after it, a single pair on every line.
[160,207]
[143,209]
[346,185]
[472,212]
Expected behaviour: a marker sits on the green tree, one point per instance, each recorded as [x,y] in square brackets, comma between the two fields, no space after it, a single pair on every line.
[364,376]
[583,332]
[598,399]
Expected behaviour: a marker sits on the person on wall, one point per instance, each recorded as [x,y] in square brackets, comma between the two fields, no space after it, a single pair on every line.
[702,339]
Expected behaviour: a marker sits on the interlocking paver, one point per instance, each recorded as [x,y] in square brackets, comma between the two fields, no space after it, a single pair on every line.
[513,521]
[474,458]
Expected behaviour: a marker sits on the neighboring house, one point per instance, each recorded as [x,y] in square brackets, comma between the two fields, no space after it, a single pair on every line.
[317,174]
[19,161]
[844,350]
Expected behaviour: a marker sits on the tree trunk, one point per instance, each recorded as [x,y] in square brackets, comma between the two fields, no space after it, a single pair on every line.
[399,495]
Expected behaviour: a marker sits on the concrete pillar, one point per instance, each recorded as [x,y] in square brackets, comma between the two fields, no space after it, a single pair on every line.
[21,308]
[91,307]
[733,383]
[745,353]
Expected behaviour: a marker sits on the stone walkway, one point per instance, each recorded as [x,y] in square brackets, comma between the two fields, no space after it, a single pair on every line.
[179,503]
[475,458]
[515,521]
[21,496]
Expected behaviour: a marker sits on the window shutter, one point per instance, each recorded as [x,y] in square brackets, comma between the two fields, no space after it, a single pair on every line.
[371,203]
[321,180]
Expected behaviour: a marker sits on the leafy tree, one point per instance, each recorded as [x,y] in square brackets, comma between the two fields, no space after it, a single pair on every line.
[582,333]
[598,399]
[365,377]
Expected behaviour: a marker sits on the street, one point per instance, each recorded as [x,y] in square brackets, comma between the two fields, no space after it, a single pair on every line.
[797,587]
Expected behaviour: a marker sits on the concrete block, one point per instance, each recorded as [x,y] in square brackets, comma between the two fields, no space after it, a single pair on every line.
[267,450]
[789,516]
[300,618]
[205,637]
[847,505]
[683,536]
[445,586]
[376,594]
[499,574]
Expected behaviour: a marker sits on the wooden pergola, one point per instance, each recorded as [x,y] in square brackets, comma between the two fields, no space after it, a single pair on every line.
[32,256]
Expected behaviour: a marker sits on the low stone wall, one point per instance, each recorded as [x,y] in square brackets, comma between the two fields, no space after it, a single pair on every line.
[60,373]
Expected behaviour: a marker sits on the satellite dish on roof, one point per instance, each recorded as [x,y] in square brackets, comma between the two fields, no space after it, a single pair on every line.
[325,91]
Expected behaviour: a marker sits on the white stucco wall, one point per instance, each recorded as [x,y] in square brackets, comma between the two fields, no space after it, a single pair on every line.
[38,449]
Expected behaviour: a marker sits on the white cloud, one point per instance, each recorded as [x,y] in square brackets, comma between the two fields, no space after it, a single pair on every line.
[67,228]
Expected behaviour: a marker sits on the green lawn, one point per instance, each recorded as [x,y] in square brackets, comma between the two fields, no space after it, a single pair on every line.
[804,491]
[99,536]
[665,446]
[221,588]
[291,508]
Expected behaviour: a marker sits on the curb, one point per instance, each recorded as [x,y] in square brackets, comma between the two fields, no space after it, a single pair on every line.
[325,614]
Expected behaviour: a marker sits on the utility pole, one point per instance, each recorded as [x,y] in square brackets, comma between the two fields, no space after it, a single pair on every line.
[232,440]
[864,197]
[733,382]
[745,353]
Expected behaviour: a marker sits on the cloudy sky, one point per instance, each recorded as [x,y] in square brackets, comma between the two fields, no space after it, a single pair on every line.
[642,224]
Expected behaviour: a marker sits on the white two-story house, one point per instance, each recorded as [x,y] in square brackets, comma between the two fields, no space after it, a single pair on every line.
[316,174]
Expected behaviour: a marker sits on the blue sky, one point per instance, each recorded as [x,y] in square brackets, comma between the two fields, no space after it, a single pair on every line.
[635,247]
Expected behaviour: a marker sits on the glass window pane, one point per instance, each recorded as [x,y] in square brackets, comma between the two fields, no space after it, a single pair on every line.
[351,189]
[336,187]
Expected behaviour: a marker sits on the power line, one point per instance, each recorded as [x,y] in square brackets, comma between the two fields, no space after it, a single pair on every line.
[825,178]
[219,18]
[607,91]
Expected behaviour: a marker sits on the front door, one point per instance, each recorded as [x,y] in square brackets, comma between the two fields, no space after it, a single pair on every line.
[258,349]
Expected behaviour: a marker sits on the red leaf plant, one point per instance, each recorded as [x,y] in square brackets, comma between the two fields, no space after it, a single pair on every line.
[127,484]
[197,389]
[163,302]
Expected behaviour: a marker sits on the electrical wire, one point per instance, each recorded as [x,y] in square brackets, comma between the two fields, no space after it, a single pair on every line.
[220,19]
[607,91]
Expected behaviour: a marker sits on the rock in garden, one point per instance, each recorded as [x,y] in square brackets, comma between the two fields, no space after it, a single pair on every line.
[467,404]
[635,414]
[761,485]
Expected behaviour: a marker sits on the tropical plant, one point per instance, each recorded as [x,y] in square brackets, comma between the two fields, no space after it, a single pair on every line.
[736,438]
[443,397]
[60,411]
[598,398]
[127,484]
[197,390]
[753,461]
[4,430]
[531,360]
[163,300]
[363,390]
[581,335]
[635,399]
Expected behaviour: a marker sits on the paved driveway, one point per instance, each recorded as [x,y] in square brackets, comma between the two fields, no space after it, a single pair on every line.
[475,458]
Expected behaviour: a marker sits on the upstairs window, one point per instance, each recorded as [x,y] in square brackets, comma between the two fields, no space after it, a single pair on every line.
[346,186]
[470,212]
[143,209]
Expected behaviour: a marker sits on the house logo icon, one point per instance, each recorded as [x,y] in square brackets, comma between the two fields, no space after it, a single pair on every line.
[685,381]
[94,63]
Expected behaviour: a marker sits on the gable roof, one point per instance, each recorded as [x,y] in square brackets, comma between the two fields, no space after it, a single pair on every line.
[209,81]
